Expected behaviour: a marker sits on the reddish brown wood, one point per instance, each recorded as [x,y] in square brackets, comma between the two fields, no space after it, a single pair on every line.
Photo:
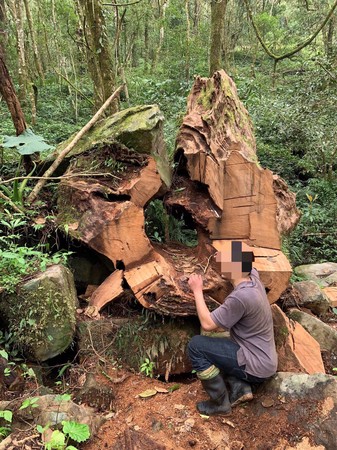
[216,147]
[218,185]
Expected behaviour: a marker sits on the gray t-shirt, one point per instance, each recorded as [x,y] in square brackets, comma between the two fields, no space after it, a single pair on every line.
[247,313]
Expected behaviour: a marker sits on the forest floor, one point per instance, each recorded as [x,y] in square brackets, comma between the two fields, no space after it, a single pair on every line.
[169,420]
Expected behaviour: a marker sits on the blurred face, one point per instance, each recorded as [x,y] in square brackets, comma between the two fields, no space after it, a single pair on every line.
[231,260]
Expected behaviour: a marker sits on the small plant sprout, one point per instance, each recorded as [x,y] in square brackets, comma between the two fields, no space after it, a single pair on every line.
[147,367]
[5,430]
[78,432]
[30,403]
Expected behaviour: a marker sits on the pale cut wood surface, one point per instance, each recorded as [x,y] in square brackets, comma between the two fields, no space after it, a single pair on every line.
[110,289]
[145,186]
[331,293]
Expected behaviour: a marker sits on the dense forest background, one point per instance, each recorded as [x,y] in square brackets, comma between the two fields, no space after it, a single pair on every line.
[65,57]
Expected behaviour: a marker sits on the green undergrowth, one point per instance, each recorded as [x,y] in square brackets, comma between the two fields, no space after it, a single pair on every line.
[17,259]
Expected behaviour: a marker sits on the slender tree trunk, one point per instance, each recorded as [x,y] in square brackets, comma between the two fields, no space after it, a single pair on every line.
[162,14]
[188,41]
[3,24]
[119,18]
[36,54]
[16,10]
[196,15]
[329,39]
[146,42]
[218,11]
[99,55]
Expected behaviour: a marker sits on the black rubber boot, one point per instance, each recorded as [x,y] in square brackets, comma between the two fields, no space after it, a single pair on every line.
[219,400]
[240,391]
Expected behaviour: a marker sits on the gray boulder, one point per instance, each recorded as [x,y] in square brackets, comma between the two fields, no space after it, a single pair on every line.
[296,385]
[325,273]
[313,297]
[312,399]
[323,333]
[41,313]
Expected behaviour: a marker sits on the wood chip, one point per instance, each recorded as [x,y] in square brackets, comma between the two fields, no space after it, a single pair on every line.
[267,402]
[147,393]
[228,422]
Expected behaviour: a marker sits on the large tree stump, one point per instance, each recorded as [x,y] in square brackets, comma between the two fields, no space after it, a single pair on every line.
[218,188]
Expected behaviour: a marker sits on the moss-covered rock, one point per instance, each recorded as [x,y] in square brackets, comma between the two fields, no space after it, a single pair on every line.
[139,128]
[41,313]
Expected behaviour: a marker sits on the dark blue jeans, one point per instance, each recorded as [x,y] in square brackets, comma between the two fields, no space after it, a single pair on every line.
[205,351]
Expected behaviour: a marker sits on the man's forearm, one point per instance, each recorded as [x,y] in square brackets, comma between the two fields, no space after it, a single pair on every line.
[204,315]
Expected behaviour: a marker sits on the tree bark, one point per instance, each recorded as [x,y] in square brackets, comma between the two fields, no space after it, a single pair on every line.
[218,12]
[16,10]
[3,22]
[36,53]
[7,91]
[330,52]
[162,13]
[188,41]
[99,54]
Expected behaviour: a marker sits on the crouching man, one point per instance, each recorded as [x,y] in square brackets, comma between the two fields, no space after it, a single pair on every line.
[249,355]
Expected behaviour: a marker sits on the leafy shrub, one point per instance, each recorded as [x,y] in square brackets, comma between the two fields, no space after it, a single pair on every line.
[315,238]
[16,260]
[162,227]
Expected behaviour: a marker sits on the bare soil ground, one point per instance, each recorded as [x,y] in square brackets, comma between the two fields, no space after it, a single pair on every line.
[171,421]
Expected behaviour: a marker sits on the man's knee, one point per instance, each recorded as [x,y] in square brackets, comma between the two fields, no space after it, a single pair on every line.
[194,343]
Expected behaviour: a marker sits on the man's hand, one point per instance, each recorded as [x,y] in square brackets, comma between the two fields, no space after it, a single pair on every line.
[195,283]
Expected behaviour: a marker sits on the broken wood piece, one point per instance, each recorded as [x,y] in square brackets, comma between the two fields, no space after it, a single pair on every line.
[331,293]
[145,186]
[162,284]
[297,350]
[110,289]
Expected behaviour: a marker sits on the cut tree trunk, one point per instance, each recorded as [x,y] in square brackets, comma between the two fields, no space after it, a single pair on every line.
[216,147]
[218,189]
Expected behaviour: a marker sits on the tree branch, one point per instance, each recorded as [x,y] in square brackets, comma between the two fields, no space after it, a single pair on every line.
[33,195]
[13,205]
[122,4]
[70,175]
[299,47]
[73,86]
